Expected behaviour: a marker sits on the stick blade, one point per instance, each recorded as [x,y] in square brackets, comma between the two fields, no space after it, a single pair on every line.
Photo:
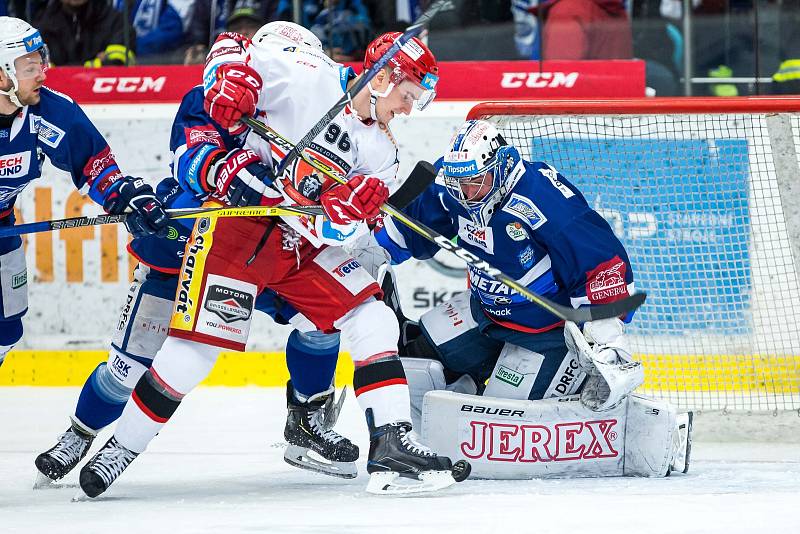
[418,181]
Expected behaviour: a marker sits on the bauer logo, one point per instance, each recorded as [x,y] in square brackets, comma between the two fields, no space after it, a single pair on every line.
[520,206]
[229,304]
[512,442]
[509,376]
[15,165]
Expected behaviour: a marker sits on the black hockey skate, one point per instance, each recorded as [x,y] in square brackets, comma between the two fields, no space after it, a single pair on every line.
[104,468]
[398,464]
[56,462]
[313,445]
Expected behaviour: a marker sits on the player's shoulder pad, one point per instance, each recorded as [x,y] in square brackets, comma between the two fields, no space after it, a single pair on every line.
[48,94]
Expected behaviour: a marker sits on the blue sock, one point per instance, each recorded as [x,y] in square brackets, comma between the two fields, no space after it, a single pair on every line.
[311,359]
[10,331]
[101,400]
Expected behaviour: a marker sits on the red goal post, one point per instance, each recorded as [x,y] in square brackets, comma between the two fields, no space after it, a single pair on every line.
[705,195]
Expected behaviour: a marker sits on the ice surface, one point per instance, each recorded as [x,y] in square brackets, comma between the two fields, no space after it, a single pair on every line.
[218,467]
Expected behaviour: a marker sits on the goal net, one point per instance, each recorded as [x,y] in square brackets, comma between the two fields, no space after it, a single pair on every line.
[705,195]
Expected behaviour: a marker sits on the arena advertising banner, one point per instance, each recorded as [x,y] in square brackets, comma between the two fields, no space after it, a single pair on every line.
[705,221]
[458,80]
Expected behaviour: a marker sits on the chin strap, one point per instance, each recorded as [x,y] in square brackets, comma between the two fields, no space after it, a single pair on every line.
[373,98]
[12,93]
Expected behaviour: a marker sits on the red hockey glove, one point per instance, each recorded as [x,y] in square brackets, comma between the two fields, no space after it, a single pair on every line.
[359,199]
[242,179]
[233,95]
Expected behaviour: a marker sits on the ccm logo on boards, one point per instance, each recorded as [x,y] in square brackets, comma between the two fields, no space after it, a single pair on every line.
[129,84]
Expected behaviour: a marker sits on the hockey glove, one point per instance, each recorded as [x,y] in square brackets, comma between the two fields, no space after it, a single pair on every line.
[242,179]
[233,95]
[359,199]
[146,214]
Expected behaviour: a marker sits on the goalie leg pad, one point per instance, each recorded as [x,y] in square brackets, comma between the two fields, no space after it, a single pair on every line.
[423,375]
[519,439]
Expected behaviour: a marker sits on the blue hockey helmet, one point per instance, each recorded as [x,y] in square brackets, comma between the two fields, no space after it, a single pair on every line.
[479,168]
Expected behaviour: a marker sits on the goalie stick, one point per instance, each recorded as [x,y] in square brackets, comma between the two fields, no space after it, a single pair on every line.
[567,313]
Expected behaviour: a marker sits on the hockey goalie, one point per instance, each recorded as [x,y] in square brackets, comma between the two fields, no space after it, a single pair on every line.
[500,381]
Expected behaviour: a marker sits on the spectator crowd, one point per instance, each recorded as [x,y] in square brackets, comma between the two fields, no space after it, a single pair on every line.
[730,38]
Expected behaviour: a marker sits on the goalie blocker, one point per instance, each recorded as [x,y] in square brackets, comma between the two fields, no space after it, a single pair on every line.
[559,437]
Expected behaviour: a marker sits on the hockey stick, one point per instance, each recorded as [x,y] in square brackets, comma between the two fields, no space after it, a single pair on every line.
[567,313]
[412,31]
[181,213]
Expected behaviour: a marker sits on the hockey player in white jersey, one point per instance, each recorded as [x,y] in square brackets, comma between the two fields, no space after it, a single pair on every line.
[232,260]
[529,221]
[201,146]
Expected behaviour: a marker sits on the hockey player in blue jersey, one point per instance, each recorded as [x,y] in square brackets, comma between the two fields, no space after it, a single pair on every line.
[202,148]
[36,122]
[529,221]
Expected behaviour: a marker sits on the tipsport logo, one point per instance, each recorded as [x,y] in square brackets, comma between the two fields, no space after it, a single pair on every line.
[34,42]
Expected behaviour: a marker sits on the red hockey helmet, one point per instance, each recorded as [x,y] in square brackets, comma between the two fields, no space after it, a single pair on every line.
[414,62]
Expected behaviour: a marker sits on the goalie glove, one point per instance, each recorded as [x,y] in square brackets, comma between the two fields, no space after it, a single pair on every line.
[146,214]
[234,94]
[240,178]
[359,199]
[613,373]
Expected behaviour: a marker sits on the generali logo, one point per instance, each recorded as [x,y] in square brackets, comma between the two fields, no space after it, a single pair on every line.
[509,442]
[128,84]
[515,80]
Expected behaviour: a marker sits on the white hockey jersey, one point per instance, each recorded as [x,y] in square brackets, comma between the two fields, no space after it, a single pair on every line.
[300,84]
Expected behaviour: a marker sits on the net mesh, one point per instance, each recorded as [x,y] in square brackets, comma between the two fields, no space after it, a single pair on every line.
[704,204]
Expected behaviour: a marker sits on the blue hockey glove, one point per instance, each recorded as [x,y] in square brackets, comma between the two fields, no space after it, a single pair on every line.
[146,214]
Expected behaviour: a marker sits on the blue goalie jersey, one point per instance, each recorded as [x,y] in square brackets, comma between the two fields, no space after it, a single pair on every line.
[543,234]
[58,129]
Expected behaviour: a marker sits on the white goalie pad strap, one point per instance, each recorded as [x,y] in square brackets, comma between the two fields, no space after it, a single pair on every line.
[612,373]
[13,282]
[519,439]
[449,320]
[423,375]
[648,440]
[514,373]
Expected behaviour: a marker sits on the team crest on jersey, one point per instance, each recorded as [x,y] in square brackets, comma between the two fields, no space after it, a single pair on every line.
[480,236]
[524,208]
[311,186]
[48,133]
[15,165]
[202,134]
[606,282]
[526,257]
[516,232]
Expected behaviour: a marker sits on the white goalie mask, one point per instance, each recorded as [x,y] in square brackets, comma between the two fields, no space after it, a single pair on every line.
[18,39]
[480,169]
[282,32]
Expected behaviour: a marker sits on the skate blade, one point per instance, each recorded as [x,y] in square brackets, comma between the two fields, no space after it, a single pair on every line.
[81,497]
[391,483]
[309,460]
[43,482]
